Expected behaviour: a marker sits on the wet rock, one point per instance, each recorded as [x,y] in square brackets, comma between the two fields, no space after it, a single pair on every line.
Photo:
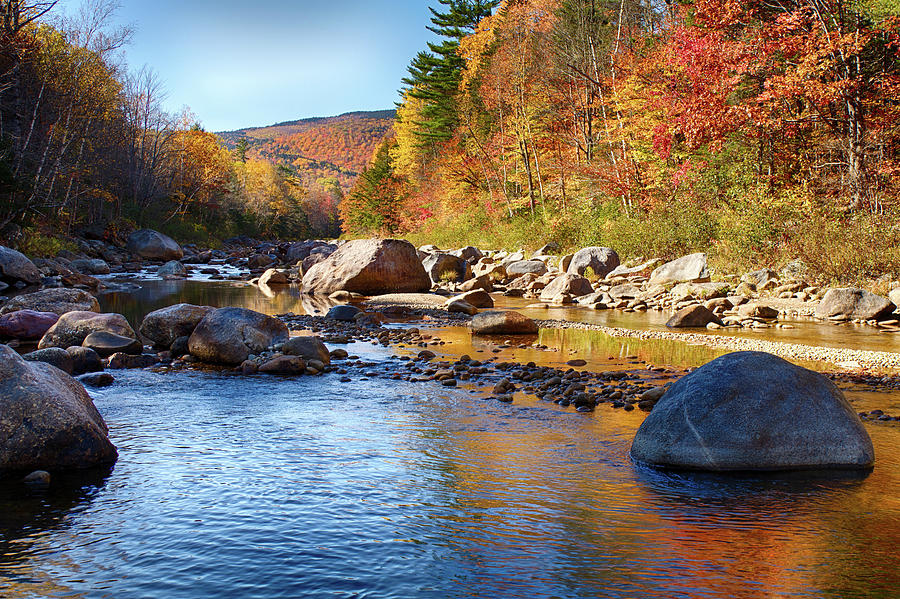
[566,284]
[753,411]
[122,360]
[601,260]
[345,313]
[370,267]
[853,303]
[307,347]
[172,268]
[90,266]
[54,356]
[249,367]
[693,316]
[26,324]
[58,301]
[456,305]
[72,328]
[288,365]
[106,344]
[84,359]
[97,379]
[273,277]
[162,327]
[153,245]
[47,419]
[16,267]
[230,335]
[687,269]
[502,323]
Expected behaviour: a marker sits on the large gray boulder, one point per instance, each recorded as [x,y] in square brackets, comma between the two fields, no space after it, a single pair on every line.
[58,301]
[15,267]
[229,335]
[73,327]
[753,411]
[687,269]
[498,322]
[369,267]
[47,419]
[90,266]
[162,327]
[446,267]
[566,284]
[601,260]
[153,245]
[849,302]
[522,267]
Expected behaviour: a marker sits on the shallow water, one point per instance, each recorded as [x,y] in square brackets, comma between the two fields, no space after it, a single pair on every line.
[270,487]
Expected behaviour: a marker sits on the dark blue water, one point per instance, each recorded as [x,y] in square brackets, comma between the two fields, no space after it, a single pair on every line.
[268,487]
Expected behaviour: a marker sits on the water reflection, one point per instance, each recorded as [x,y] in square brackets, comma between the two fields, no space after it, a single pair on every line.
[270,487]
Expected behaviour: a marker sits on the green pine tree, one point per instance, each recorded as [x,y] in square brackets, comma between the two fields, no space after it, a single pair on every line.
[434,76]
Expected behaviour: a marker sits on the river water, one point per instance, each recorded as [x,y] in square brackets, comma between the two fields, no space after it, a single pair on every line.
[269,487]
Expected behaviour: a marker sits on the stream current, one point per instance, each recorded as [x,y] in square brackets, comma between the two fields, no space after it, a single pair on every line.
[270,487]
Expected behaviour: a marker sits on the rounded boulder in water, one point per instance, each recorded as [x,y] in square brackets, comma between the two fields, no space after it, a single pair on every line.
[750,411]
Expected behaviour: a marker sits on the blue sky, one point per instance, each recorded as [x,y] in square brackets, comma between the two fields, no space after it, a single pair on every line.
[238,63]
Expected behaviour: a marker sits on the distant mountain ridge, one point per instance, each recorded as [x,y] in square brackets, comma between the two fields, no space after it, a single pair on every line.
[335,146]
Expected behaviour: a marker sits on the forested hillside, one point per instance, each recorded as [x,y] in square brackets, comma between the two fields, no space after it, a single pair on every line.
[86,147]
[331,147]
[758,131]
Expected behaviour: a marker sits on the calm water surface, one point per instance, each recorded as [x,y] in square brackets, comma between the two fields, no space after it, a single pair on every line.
[269,487]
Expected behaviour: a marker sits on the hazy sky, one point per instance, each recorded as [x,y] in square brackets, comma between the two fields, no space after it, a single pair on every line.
[242,63]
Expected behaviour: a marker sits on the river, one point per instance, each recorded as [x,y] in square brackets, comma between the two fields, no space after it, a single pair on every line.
[267,487]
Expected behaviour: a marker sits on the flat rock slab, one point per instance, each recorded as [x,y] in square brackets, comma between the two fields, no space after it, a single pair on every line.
[751,411]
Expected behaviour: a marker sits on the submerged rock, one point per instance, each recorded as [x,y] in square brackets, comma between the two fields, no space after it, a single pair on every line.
[753,411]
[47,419]
[229,335]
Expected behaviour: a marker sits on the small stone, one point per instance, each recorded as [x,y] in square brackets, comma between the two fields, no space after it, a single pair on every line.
[97,379]
[37,478]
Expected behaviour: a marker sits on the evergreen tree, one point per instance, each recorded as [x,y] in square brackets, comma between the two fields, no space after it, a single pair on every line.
[434,76]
